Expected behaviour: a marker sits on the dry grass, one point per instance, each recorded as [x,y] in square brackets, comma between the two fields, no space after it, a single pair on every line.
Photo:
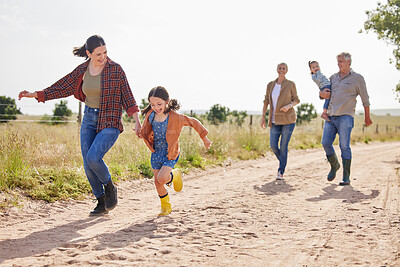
[45,161]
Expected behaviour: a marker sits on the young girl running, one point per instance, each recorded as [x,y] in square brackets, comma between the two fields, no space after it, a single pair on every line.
[160,131]
[322,82]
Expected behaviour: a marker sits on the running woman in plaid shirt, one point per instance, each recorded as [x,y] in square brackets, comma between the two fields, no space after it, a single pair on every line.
[101,84]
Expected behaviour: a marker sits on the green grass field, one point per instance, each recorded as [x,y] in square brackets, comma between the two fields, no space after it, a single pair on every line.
[45,162]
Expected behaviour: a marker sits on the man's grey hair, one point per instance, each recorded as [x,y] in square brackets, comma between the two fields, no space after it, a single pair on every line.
[345,55]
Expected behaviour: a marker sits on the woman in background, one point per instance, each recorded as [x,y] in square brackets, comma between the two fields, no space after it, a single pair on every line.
[281,95]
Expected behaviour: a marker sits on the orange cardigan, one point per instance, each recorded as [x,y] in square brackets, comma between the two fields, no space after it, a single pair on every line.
[175,123]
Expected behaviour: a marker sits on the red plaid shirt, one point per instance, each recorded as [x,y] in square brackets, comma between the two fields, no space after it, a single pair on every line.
[115,93]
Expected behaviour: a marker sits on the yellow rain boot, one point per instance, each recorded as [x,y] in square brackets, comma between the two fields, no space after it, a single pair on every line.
[165,205]
[177,180]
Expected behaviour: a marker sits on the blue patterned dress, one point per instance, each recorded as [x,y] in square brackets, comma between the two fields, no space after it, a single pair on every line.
[159,156]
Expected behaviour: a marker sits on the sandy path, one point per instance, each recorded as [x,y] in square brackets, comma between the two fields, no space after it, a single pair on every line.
[234,215]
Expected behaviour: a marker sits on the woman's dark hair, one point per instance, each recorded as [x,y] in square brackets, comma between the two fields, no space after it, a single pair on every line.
[311,62]
[162,93]
[91,44]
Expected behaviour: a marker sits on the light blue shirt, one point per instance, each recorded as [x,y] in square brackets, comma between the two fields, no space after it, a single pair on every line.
[320,79]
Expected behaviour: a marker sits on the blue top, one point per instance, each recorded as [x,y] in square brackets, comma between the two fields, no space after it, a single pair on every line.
[320,79]
[160,132]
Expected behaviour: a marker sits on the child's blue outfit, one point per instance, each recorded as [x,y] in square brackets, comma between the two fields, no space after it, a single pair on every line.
[159,156]
[323,83]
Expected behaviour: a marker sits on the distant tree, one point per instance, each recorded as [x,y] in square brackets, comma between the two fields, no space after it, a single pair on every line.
[143,105]
[385,22]
[8,109]
[61,112]
[217,114]
[305,113]
[239,116]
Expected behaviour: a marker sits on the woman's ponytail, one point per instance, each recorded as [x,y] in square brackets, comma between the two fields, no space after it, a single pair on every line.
[80,51]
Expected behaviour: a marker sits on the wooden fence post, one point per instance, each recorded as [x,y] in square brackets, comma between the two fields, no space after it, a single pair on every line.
[80,113]
[190,128]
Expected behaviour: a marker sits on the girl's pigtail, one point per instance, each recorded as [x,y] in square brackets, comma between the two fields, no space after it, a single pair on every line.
[172,105]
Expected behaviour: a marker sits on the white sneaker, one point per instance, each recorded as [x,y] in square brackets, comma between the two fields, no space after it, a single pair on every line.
[279,176]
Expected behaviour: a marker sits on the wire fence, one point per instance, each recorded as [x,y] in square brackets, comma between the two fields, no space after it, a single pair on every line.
[75,118]
[34,106]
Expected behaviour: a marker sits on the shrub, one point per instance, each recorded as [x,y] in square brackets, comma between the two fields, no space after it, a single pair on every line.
[61,112]
[305,113]
[217,114]
[8,109]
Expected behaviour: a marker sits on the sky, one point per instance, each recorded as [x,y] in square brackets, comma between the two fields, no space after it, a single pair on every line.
[203,52]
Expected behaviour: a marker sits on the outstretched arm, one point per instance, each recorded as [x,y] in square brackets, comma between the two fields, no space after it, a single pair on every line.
[207,142]
[200,129]
[64,87]
[27,94]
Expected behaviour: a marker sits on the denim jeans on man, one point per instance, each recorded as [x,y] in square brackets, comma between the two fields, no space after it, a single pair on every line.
[94,145]
[341,125]
[281,152]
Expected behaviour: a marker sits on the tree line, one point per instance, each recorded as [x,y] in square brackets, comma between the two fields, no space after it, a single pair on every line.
[217,114]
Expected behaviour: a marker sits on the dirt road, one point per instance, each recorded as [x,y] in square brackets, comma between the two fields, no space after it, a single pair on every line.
[236,215]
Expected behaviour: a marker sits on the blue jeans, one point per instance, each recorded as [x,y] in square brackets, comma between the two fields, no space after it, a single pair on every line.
[94,145]
[326,103]
[284,132]
[341,125]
